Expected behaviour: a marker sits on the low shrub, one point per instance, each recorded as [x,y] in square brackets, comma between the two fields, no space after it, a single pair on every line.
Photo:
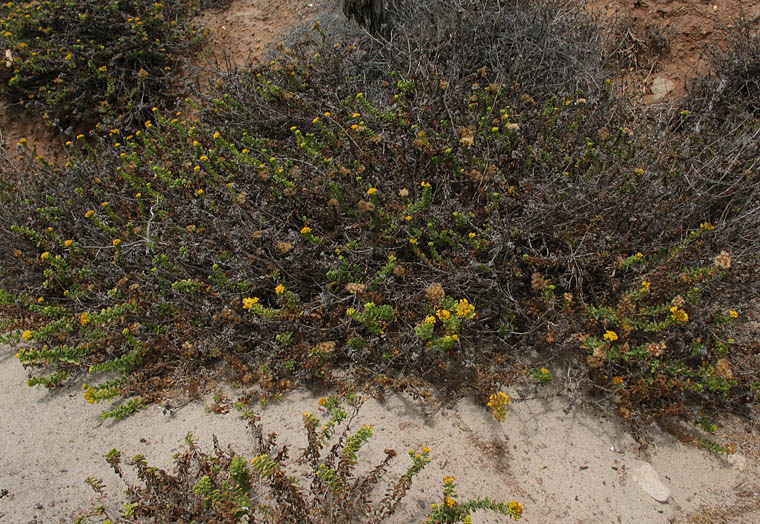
[338,216]
[323,485]
[80,62]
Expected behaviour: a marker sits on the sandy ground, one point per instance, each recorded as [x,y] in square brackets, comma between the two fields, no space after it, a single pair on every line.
[563,462]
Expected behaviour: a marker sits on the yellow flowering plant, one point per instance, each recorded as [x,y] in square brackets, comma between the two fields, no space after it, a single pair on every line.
[103,82]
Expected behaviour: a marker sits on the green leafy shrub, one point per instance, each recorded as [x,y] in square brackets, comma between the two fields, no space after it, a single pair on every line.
[338,175]
[320,486]
[79,62]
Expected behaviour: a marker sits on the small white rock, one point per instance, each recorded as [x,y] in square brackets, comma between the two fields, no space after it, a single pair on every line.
[737,461]
[661,86]
[650,482]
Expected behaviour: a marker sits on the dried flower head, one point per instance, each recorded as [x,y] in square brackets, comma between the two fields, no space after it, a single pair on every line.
[283,247]
[723,260]
[723,369]
[365,207]
[355,288]
[435,293]
[655,349]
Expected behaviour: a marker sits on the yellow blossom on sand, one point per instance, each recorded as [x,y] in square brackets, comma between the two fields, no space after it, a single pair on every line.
[498,403]
[515,509]
[249,302]
[89,395]
[323,401]
[610,335]
[450,502]
[280,289]
[305,230]
[27,335]
[425,450]
[371,191]
[733,314]
[448,480]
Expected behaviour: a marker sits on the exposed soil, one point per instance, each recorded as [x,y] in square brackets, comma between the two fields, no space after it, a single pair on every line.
[663,43]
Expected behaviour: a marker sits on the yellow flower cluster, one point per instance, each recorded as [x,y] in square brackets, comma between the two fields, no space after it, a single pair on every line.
[498,403]
[464,308]
[679,315]
[280,289]
[443,314]
[610,336]
[27,335]
[84,318]
[430,319]
[645,285]
[89,395]
[249,302]
[305,230]
[733,314]
[515,509]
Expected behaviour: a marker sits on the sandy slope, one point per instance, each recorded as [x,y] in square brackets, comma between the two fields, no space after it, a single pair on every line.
[565,463]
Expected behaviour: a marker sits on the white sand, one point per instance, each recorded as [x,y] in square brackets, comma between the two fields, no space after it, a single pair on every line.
[565,464]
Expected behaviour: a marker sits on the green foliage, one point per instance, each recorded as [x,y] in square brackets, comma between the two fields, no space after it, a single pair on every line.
[319,197]
[220,487]
[81,62]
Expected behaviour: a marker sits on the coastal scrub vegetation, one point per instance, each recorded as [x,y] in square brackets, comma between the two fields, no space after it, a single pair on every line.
[409,213]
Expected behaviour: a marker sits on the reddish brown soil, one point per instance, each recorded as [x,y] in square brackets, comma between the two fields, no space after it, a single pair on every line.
[667,39]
